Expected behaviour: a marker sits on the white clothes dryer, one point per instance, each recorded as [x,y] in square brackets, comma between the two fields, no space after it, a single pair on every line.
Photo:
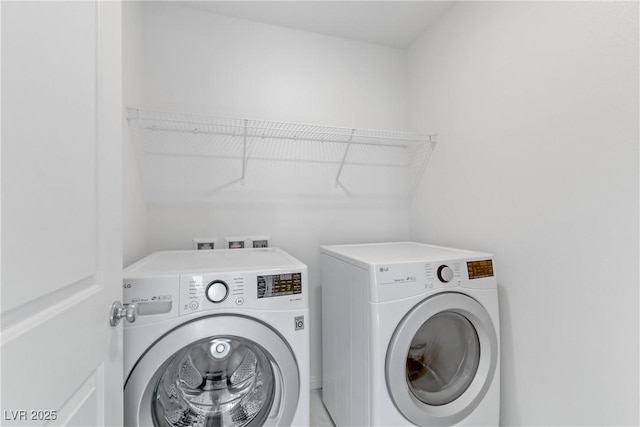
[410,336]
[220,338]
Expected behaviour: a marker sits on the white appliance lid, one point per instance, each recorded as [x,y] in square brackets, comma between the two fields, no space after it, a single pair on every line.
[191,261]
[376,253]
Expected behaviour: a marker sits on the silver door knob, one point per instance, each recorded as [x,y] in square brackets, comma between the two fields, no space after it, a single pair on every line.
[118,311]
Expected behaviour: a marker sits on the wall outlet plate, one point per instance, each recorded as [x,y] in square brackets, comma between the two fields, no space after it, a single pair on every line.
[205,243]
[260,241]
[237,242]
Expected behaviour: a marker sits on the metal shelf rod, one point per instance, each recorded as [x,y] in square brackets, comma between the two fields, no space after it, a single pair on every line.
[289,138]
[419,146]
[244,153]
[344,157]
[274,130]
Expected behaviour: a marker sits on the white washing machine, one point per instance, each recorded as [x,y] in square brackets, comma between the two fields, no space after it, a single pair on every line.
[220,338]
[410,336]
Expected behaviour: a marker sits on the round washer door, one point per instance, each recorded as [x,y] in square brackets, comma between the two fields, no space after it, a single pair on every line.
[221,370]
[441,359]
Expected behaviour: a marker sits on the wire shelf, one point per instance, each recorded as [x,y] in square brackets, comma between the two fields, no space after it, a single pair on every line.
[236,132]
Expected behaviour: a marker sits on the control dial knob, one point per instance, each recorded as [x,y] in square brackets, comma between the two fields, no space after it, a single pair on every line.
[445,273]
[217,291]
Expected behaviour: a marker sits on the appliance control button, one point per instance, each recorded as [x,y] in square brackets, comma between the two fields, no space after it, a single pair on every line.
[239,301]
[445,273]
[193,305]
[217,291]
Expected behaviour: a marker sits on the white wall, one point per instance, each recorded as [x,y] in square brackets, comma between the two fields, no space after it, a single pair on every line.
[198,62]
[205,63]
[134,225]
[536,107]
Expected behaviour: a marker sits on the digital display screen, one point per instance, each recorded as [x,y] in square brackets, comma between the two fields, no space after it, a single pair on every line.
[277,285]
[480,269]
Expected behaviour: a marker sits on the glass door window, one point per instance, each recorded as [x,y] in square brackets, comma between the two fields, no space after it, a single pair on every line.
[219,381]
[443,358]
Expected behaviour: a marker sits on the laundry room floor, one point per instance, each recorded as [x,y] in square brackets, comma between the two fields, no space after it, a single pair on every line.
[319,415]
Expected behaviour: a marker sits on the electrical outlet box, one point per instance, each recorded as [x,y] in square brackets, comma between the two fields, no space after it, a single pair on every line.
[260,241]
[235,242]
[205,243]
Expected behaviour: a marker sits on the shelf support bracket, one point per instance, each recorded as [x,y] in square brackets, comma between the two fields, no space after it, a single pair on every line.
[344,157]
[244,152]
[132,113]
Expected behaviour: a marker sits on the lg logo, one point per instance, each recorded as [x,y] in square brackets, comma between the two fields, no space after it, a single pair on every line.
[384,269]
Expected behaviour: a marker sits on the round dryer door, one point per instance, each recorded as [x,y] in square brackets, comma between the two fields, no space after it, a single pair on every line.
[215,371]
[442,359]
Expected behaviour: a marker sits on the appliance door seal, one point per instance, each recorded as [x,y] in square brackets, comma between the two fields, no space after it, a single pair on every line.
[442,379]
[141,384]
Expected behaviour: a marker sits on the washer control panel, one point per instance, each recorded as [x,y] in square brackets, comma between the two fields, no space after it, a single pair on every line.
[201,292]
[277,285]
[217,291]
[155,298]
[270,290]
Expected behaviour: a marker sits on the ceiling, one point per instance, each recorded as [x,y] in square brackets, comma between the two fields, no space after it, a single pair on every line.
[391,23]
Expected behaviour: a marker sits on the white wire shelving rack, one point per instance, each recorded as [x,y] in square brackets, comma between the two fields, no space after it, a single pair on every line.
[418,146]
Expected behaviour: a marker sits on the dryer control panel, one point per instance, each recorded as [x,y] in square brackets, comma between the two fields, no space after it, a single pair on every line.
[399,280]
[480,269]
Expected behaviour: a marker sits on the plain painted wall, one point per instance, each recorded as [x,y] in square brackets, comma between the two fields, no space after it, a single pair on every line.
[536,107]
[135,237]
[198,62]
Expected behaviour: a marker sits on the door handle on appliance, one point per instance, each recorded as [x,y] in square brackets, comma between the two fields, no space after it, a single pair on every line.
[118,311]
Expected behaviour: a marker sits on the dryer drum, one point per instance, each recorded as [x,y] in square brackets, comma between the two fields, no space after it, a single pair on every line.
[443,358]
[218,381]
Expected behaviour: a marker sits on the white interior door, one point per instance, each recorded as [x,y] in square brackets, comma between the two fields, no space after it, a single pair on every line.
[61,213]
